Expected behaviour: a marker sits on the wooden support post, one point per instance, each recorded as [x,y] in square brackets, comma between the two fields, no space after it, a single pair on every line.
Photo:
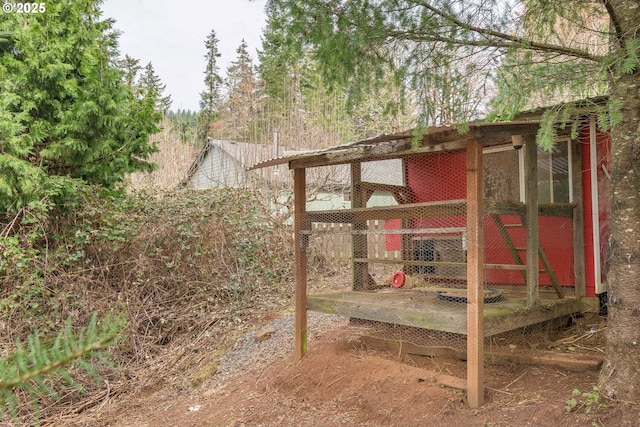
[358,241]
[531,201]
[300,252]
[578,222]
[405,224]
[475,276]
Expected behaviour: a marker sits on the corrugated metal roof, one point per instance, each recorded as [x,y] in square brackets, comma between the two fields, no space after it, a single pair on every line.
[398,141]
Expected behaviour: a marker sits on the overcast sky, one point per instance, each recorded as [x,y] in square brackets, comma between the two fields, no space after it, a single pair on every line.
[171,35]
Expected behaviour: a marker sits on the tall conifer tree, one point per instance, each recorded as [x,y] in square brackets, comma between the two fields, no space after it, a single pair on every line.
[65,112]
[211,97]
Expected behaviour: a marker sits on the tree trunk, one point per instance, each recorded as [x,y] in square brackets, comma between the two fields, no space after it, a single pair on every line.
[620,376]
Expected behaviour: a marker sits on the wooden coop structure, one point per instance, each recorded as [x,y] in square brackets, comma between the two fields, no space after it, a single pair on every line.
[485,229]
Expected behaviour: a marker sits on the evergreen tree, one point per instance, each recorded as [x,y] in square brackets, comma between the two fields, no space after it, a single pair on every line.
[547,47]
[185,122]
[211,97]
[152,87]
[243,96]
[304,106]
[130,67]
[279,62]
[65,112]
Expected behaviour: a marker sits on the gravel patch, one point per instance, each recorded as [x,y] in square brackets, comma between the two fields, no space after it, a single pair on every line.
[248,353]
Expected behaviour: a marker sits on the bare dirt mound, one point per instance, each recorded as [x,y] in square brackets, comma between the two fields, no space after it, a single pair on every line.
[343,382]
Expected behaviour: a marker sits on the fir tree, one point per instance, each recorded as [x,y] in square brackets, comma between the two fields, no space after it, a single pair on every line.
[211,97]
[65,112]
[130,67]
[243,95]
[152,87]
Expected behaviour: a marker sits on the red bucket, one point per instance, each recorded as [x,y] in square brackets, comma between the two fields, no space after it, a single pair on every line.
[398,279]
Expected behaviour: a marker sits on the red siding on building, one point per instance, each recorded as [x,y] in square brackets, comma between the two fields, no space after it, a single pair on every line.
[445,179]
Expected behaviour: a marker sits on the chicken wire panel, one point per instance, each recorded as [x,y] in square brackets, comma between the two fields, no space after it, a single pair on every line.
[403,231]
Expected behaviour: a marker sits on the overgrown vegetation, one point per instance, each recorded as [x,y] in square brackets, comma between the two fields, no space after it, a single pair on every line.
[183,269]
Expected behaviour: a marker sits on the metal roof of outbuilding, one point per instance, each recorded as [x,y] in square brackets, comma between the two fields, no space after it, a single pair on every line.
[388,145]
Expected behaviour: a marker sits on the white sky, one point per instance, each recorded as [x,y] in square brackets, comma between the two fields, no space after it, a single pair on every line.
[171,35]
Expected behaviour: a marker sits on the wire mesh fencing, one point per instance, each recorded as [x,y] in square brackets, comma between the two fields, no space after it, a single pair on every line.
[402,224]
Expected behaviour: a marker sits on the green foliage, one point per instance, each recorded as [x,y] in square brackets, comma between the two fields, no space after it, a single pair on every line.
[589,401]
[64,110]
[152,87]
[630,61]
[40,368]
[185,123]
[211,98]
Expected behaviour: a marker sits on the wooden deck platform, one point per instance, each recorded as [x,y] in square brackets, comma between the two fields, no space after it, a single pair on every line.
[421,308]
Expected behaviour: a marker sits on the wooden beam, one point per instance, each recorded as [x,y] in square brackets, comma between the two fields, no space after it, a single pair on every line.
[421,308]
[548,268]
[383,151]
[579,269]
[567,361]
[407,211]
[432,209]
[358,241]
[300,253]
[434,263]
[475,276]
[502,229]
[406,242]
[531,197]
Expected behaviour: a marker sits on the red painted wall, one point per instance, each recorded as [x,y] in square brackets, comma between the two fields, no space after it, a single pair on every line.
[442,176]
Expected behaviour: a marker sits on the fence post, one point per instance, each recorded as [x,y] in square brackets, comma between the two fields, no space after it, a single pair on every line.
[300,251]
[475,276]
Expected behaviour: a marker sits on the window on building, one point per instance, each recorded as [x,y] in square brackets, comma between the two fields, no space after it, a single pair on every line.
[504,173]
[554,183]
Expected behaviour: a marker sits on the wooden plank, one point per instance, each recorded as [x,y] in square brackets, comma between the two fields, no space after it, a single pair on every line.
[531,198]
[435,263]
[398,308]
[556,209]
[568,361]
[421,309]
[503,207]
[407,211]
[475,276]
[405,347]
[509,242]
[579,268]
[300,254]
[431,209]
[358,241]
[548,268]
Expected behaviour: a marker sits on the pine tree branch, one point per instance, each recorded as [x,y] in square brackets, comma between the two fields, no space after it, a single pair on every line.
[94,346]
[499,39]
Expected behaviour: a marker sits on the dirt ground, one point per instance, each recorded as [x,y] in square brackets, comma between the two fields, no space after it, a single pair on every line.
[342,382]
